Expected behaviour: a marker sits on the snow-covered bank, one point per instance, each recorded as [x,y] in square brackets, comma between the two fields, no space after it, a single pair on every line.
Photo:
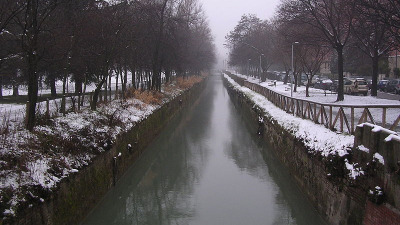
[33,164]
[327,97]
[341,174]
[315,136]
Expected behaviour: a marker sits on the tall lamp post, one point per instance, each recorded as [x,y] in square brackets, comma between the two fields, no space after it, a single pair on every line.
[248,67]
[260,67]
[291,77]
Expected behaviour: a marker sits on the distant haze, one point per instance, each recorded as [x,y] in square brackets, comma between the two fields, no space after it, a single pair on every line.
[223,16]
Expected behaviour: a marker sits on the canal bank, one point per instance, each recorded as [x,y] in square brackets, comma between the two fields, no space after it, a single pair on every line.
[78,193]
[206,167]
[357,187]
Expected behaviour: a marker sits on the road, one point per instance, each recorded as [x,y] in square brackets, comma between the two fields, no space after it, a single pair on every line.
[390,96]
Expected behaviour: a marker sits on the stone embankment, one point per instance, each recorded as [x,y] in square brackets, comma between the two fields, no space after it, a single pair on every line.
[360,187]
[77,194]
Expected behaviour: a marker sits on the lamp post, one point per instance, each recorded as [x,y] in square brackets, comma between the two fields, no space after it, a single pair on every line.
[248,67]
[291,77]
[260,74]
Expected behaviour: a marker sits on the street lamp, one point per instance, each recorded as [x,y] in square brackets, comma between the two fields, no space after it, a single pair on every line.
[248,67]
[291,77]
[260,67]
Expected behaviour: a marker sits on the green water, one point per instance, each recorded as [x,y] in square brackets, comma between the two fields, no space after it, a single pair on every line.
[207,167]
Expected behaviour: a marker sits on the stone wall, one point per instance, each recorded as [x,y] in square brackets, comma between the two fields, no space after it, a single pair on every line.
[371,140]
[324,181]
[79,193]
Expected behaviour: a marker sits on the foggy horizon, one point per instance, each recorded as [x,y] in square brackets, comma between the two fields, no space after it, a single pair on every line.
[223,16]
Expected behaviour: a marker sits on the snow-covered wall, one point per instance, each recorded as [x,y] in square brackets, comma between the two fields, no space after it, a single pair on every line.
[336,183]
[77,194]
[379,148]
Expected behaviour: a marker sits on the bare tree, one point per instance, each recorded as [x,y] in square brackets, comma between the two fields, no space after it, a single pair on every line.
[374,38]
[311,58]
[32,21]
[331,18]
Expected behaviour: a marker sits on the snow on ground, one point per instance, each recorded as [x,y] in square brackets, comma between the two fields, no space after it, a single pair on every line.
[328,97]
[316,137]
[31,162]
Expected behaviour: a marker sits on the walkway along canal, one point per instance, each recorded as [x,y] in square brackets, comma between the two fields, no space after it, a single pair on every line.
[208,166]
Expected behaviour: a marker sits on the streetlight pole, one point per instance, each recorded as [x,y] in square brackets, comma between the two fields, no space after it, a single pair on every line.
[291,77]
[248,67]
[260,67]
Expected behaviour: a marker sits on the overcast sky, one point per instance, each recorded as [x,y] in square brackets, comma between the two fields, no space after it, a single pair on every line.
[223,15]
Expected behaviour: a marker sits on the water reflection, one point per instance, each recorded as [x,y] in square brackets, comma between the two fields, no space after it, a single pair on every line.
[206,167]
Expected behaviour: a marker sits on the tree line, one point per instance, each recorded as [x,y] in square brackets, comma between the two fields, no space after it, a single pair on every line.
[88,41]
[317,30]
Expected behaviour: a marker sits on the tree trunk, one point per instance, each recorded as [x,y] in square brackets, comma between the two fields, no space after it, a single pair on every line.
[340,96]
[96,93]
[78,83]
[32,90]
[32,60]
[124,80]
[1,87]
[105,90]
[167,75]
[84,91]
[64,84]
[15,90]
[116,82]
[375,73]
[53,86]
[109,87]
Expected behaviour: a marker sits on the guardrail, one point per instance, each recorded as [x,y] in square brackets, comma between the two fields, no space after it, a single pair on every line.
[336,117]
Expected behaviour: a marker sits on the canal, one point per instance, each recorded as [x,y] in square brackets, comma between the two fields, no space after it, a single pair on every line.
[207,167]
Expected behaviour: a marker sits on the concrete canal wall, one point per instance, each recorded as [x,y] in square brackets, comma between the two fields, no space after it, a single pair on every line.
[325,180]
[80,192]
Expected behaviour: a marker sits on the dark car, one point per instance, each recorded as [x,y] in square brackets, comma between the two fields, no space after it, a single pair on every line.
[393,86]
[323,84]
[334,85]
[382,85]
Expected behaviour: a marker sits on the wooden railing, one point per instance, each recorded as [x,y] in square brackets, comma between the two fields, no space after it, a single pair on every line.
[337,117]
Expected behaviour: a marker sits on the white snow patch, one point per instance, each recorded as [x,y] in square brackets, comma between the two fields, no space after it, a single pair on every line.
[379,157]
[363,148]
[314,136]
[354,170]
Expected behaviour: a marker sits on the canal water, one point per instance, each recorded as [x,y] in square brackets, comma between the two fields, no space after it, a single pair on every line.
[207,167]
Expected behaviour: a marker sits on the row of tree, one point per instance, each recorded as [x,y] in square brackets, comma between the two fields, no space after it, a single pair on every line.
[89,41]
[317,30]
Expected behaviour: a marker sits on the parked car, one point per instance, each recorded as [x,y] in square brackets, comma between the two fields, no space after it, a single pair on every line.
[393,86]
[334,85]
[382,85]
[355,87]
[323,84]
